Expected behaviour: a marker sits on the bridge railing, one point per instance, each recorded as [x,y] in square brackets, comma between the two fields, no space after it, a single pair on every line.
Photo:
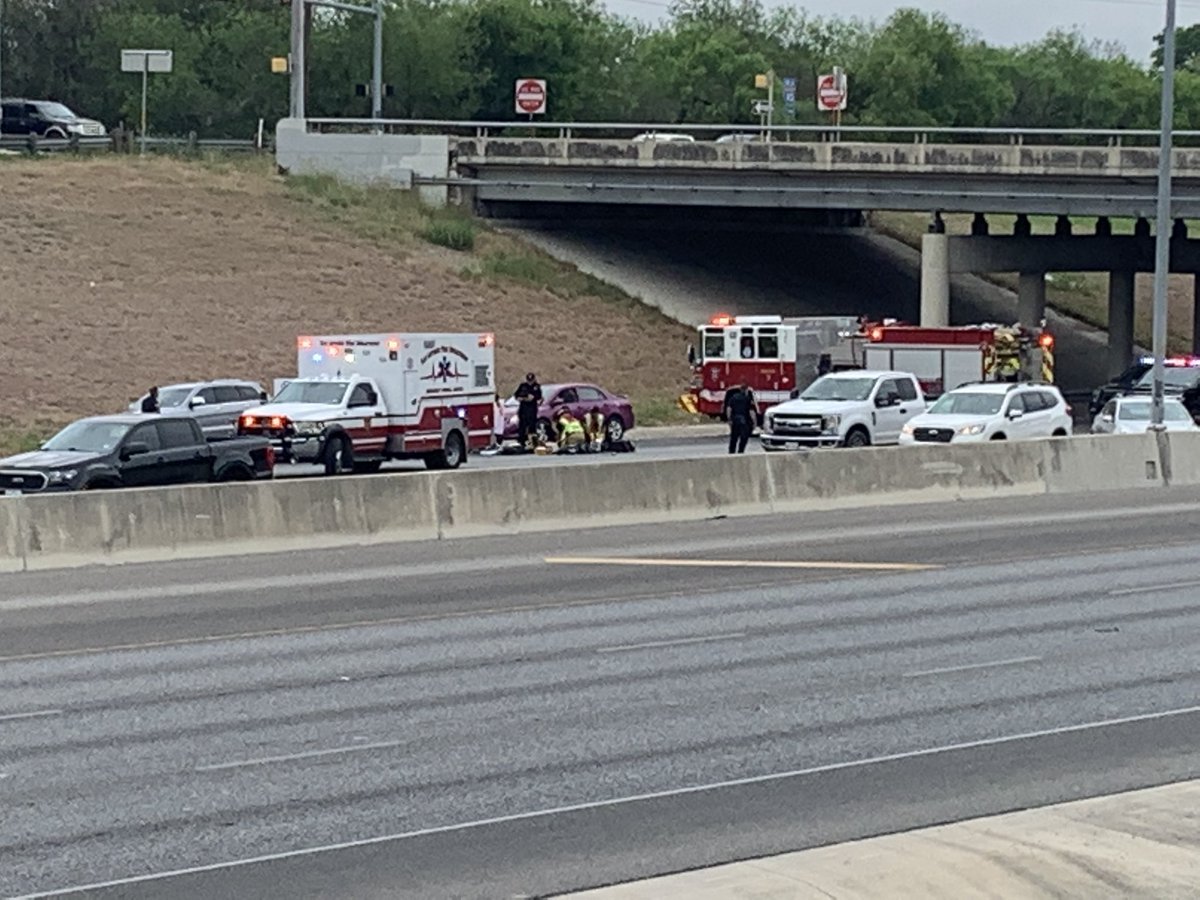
[1107,137]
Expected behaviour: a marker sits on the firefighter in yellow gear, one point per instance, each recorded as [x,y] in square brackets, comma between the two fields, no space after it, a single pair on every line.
[593,427]
[570,431]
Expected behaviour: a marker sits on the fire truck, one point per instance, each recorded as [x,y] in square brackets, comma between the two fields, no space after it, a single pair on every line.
[361,399]
[944,358]
[775,356]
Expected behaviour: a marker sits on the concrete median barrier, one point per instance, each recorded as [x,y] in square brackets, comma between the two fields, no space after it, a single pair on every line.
[156,524]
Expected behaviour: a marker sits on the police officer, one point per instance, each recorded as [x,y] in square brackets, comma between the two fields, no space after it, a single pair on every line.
[529,398]
[740,412]
[150,401]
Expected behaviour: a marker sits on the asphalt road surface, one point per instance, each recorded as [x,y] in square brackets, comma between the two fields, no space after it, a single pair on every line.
[525,715]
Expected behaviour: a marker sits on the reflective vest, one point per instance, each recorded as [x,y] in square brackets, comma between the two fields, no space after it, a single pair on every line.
[569,431]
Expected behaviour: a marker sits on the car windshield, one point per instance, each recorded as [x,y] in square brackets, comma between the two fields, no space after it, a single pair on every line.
[55,111]
[967,404]
[169,397]
[1181,377]
[327,392]
[1140,412]
[92,437]
[839,389]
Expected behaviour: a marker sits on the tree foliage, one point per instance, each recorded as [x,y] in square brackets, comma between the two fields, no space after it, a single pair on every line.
[458,59]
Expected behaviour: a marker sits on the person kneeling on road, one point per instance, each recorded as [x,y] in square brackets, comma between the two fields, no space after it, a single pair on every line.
[571,435]
[593,427]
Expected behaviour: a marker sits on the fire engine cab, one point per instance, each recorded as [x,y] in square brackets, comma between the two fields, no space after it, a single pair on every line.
[361,399]
[944,358]
[775,356]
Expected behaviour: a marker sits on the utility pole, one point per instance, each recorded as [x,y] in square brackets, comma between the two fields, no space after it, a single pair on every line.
[298,62]
[301,32]
[1,63]
[377,64]
[1163,227]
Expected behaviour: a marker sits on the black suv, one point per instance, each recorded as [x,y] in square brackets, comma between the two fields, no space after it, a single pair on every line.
[45,118]
[1122,384]
[1180,379]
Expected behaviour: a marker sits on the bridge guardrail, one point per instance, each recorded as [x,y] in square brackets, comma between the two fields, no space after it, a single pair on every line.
[33,144]
[923,134]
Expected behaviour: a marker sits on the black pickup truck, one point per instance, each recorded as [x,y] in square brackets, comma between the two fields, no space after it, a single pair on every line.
[133,451]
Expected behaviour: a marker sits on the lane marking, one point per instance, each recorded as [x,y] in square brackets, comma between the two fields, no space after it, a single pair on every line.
[619,801]
[307,754]
[971,667]
[38,714]
[678,642]
[736,564]
[1151,588]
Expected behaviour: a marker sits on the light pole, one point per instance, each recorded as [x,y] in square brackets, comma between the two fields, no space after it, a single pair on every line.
[1162,238]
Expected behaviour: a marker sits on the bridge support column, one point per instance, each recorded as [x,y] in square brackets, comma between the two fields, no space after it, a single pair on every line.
[935,280]
[1031,299]
[1120,322]
[1196,316]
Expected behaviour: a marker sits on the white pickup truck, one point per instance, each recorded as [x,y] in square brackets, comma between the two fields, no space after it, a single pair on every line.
[855,408]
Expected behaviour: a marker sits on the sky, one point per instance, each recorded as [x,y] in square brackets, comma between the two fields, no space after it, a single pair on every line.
[1130,23]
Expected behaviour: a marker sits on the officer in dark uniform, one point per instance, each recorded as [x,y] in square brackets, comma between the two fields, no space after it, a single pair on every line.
[529,398]
[740,412]
[150,401]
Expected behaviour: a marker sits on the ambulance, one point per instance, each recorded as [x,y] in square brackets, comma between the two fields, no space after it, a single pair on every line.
[361,399]
[944,358]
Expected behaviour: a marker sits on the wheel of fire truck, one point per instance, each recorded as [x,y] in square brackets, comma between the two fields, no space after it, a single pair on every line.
[998,436]
[339,455]
[614,428]
[544,431]
[857,437]
[367,466]
[451,455]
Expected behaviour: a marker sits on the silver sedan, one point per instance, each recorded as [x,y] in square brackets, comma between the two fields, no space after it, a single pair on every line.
[1131,415]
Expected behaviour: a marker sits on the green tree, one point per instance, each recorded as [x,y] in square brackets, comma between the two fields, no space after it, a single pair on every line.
[1187,48]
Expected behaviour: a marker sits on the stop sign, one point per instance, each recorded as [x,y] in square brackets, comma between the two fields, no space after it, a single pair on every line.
[531,96]
[831,96]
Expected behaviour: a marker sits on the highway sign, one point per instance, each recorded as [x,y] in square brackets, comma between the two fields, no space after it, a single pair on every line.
[531,96]
[146,60]
[831,93]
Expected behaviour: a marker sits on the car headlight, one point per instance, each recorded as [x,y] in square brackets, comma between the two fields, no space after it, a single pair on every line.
[831,423]
[769,421]
[972,429]
[309,428]
[61,476]
[907,429]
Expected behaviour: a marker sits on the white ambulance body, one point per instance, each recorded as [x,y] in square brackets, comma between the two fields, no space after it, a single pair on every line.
[361,399]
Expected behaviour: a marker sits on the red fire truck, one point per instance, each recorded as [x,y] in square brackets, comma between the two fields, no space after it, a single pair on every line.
[944,358]
[775,356]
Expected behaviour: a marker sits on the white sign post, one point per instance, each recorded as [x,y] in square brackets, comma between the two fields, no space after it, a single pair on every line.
[146,61]
[530,95]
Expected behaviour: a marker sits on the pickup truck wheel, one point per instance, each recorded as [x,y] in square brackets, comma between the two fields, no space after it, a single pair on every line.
[367,466]
[234,473]
[339,457]
[857,437]
[998,437]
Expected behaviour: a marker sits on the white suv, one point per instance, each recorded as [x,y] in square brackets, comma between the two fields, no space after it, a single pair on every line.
[845,409]
[997,411]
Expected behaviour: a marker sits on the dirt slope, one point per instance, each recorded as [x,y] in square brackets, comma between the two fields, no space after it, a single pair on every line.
[118,274]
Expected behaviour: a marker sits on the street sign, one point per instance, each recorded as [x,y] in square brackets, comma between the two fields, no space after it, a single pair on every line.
[531,96]
[831,93]
[146,60]
[280,65]
[789,94]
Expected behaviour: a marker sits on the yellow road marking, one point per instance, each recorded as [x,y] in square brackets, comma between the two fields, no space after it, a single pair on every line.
[736,563]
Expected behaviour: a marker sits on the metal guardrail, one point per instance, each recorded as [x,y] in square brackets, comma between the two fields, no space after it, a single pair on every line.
[33,144]
[1109,137]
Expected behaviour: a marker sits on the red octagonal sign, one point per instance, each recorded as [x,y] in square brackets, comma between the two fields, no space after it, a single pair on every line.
[531,96]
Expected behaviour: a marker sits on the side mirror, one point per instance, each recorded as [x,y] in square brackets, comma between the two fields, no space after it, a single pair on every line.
[262,395]
[1107,418]
[197,401]
[691,355]
[135,448]
[882,401]
[1015,414]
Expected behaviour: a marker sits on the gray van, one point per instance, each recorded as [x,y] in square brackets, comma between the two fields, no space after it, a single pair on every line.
[216,405]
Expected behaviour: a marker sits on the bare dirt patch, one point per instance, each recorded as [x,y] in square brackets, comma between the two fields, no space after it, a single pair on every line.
[116,274]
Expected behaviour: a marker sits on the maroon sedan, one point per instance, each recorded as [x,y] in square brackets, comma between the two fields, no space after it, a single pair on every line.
[580,399]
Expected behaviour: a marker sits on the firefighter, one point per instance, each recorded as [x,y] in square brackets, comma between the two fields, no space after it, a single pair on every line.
[529,399]
[593,427]
[740,412]
[571,435]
